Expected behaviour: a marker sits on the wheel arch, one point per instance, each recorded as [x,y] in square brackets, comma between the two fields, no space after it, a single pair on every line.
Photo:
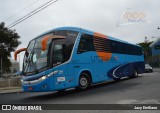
[84,71]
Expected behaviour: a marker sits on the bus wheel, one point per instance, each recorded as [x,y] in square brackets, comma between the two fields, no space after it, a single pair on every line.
[117,79]
[84,81]
[135,74]
[62,90]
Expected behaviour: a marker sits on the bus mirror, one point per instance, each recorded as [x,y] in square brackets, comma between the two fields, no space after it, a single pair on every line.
[46,38]
[18,51]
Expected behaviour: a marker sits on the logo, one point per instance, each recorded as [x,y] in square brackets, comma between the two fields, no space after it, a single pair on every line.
[131,16]
[6,107]
[21,107]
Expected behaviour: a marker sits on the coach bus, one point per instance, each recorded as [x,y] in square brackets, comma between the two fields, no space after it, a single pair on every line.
[71,57]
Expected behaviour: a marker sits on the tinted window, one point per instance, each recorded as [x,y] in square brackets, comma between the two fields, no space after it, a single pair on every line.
[102,44]
[86,43]
[58,56]
[70,35]
[123,48]
[90,43]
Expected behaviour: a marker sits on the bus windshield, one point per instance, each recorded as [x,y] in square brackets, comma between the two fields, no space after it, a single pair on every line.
[36,59]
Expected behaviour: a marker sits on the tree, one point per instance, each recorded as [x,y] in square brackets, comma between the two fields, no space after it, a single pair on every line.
[14,70]
[9,41]
[146,49]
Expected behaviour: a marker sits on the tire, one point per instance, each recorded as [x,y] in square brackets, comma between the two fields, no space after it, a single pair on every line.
[62,90]
[117,79]
[84,81]
[135,74]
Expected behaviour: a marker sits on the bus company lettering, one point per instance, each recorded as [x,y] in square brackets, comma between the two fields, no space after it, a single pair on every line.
[103,58]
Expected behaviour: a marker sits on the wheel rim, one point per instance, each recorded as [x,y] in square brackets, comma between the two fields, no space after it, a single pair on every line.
[83,82]
[136,74]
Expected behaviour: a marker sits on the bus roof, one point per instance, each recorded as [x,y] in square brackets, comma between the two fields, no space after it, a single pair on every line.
[78,29]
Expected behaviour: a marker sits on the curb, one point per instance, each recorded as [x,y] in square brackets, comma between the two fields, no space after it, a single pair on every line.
[11,91]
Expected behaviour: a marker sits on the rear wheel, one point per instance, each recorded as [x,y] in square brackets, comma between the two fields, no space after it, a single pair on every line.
[62,90]
[135,74]
[117,79]
[84,81]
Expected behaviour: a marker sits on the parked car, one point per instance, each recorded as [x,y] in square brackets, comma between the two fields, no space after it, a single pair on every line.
[148,68]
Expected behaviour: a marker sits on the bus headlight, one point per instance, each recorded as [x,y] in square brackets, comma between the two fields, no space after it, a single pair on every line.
[44,77]
[50,74]
[40,79]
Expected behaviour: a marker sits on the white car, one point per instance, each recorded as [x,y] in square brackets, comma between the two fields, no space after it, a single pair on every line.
[148,68]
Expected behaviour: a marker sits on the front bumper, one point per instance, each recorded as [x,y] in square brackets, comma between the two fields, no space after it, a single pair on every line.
[43,86]
[148,70]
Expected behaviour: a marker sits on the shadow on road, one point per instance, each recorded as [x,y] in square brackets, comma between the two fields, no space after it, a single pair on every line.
[106,87]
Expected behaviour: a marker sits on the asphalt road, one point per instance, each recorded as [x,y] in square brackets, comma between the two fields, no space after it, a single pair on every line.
[145,90]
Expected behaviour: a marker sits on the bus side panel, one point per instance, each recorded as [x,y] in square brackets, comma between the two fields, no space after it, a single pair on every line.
[77,68]
[63,79]
[140,67]
[124,65]
[127,69]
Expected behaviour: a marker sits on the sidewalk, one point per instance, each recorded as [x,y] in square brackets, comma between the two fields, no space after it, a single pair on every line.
[7,90]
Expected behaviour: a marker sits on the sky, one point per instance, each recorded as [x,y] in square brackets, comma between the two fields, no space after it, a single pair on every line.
[104,16]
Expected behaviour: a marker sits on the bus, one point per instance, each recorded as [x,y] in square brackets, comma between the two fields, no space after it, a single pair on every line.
[72,57]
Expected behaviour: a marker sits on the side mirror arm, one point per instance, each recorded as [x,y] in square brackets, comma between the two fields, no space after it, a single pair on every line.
[18,51]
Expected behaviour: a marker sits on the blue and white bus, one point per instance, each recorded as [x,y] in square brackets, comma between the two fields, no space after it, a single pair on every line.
[69,57]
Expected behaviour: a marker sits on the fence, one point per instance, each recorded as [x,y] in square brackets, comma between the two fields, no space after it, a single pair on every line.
[10,82]
[154,61]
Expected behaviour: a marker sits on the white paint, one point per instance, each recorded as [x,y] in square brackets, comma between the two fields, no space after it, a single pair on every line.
[61,79]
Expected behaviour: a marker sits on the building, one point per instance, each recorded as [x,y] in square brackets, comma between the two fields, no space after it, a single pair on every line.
[155,47]
[14,68]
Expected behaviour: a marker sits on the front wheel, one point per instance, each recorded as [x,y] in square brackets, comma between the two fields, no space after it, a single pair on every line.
[84,82]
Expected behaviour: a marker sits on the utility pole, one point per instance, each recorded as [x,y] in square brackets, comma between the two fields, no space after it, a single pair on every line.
[145,51]
[2,47]
[19,62]
[1,61]
[1,68]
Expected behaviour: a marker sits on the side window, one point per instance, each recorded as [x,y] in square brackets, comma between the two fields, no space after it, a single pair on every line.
[86,43]
[58,53]
[121,48]
[68,51]
[113,47]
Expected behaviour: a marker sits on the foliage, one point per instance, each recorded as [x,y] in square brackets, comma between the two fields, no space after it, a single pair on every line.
[9,41]
[145,45]
[146,50]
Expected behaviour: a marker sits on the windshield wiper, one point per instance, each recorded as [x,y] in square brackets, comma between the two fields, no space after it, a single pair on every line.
[30,63]
[35,66]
